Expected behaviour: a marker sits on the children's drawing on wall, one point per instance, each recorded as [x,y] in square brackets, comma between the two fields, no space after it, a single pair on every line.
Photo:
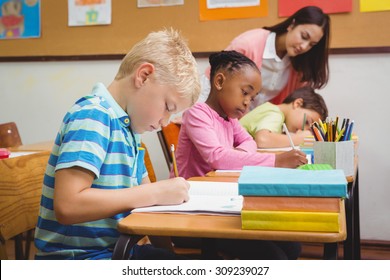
[89,12]
[20,19]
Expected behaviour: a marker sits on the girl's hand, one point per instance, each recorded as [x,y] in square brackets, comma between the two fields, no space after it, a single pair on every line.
[290,159]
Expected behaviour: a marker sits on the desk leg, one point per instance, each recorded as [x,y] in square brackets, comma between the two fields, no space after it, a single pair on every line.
[209,249]
[19,253]
[356,220]
[330,251]
[123,246]
[352,243]
[348,243]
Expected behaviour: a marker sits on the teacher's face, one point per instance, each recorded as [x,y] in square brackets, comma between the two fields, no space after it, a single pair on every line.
[301,38]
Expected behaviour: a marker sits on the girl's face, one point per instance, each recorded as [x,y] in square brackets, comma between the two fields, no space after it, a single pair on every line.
[301,38]
[237,90]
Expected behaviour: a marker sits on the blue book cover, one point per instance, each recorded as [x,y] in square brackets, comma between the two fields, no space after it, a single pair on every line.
[272,181]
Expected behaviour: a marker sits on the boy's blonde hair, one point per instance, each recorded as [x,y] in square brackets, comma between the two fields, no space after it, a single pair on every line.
[173,61]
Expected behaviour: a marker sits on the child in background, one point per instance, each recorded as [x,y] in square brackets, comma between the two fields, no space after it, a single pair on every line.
[212,138]
[96,168]
[298,111]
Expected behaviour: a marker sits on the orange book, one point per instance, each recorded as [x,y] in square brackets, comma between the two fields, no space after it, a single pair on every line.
[301,204]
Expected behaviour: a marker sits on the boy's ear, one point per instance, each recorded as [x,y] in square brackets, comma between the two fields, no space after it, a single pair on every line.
[219,79]
[142,74]
[297,103]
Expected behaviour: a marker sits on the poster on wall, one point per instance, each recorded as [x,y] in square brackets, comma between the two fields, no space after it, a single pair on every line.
[20,19]
[158,3]
[374,5]
[89,12]
[288,7]
[232,9]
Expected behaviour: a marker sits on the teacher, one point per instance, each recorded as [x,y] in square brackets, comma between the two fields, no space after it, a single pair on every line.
[291,54]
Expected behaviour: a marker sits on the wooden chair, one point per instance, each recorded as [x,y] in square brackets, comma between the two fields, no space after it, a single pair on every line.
[149,165]
[20,193]
[9,135]
[167,136]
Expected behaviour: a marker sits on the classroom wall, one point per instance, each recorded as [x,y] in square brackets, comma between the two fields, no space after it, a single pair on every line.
[36,95]
[349,30]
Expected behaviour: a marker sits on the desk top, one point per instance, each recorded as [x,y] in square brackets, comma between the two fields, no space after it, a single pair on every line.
[210,226]
[218,227]
[232,174]
[40,146]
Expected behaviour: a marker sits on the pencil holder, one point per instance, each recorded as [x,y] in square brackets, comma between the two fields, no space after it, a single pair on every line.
[340,155]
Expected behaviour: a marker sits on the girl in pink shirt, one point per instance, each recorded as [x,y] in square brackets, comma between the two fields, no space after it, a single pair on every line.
[211,137]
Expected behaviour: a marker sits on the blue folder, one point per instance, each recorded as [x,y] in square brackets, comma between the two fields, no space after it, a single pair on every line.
[272,181]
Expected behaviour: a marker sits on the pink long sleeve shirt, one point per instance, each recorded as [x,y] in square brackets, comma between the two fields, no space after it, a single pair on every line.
[208,142]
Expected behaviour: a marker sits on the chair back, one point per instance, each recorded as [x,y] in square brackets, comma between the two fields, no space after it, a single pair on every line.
[149,165]
[167,136]
[9,135]
[20,194]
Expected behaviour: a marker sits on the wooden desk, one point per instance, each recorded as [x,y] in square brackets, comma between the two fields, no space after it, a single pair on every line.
[20,191]
[40,146]
[137,225]
[352,250]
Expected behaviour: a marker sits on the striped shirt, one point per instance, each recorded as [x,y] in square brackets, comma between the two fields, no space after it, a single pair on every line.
[94,135]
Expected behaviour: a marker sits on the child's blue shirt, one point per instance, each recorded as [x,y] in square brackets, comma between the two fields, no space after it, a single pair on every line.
[95,134]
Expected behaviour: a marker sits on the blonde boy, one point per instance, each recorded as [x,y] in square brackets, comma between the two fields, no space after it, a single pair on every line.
[95,170]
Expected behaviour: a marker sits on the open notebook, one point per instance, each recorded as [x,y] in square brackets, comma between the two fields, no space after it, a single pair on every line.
[213,198]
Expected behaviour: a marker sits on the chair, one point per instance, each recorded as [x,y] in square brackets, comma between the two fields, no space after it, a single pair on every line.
[149,165]
[9,135]
[20,193]
[167,136]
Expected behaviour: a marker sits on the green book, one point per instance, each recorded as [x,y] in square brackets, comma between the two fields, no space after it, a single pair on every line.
[316,166]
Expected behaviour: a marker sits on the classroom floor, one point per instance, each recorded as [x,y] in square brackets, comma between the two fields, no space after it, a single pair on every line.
[310,251]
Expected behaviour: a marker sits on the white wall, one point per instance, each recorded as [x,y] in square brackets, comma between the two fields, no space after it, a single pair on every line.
[36,96]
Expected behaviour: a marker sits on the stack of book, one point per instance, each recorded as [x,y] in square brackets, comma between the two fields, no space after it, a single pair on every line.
[291,199]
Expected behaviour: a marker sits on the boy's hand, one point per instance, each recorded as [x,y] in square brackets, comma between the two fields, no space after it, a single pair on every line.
[300,135]
[172,191]
[291,159]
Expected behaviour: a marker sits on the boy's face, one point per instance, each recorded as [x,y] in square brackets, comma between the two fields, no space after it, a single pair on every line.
[238,90]
[153,106]
[295,118]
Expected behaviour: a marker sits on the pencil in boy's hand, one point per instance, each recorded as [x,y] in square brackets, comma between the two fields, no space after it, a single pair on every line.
[289,136]
[304,122]
[175,170]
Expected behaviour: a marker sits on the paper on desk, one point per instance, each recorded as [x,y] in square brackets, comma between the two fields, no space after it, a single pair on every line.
[213,188]
[213,198]
[281,149]
[18,154]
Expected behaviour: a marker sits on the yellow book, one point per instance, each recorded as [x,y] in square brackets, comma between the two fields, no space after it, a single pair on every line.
[290,221]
